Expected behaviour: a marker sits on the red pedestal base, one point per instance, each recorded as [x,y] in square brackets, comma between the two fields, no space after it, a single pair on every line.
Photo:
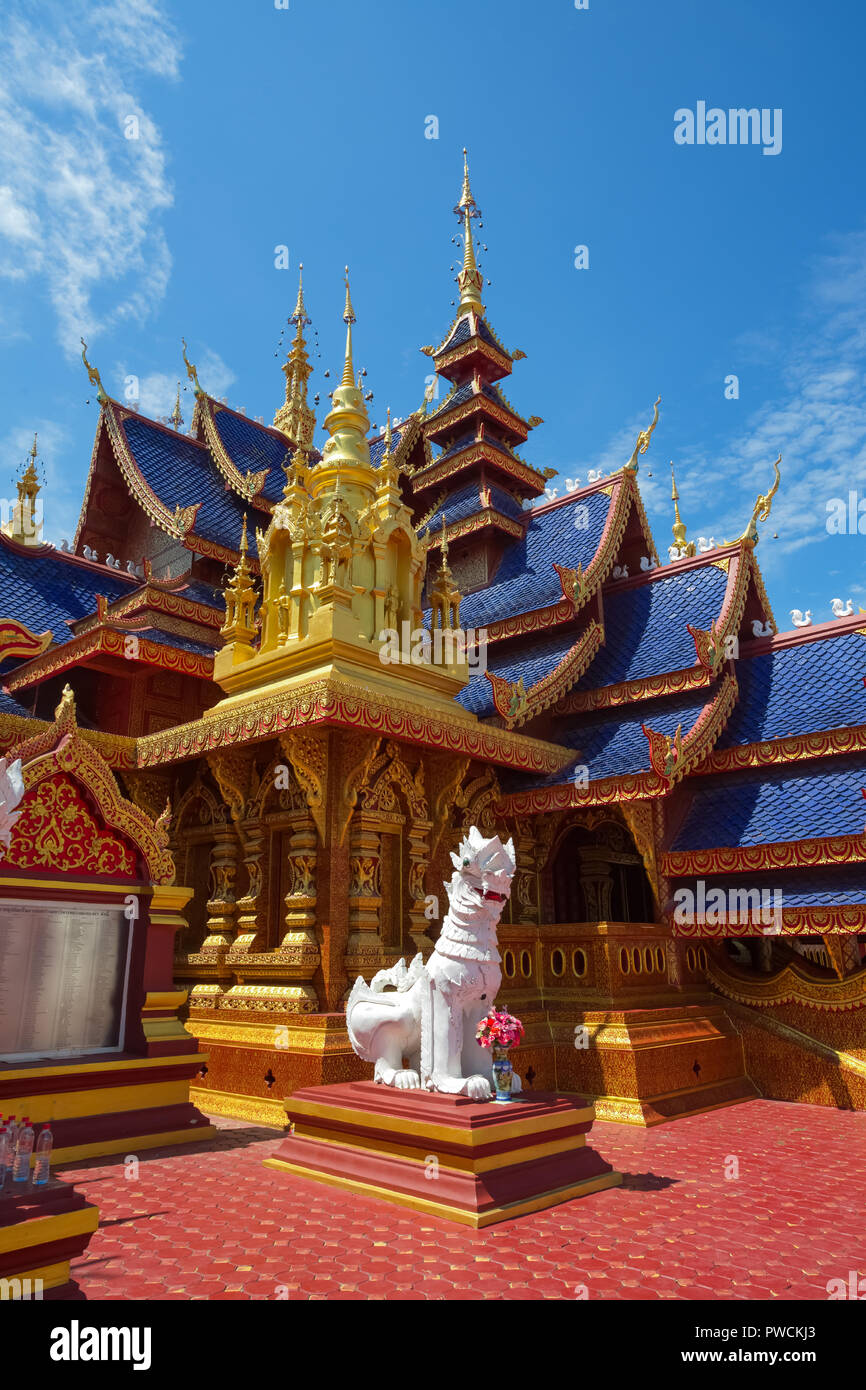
[445,1155]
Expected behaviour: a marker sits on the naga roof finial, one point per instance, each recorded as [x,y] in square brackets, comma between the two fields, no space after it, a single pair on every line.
[191,370]
[761,510]
[93,375]
[643,439]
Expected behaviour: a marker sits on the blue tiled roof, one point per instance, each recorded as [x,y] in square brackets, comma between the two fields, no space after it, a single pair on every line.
[173,639]
[456,397]
[464,442]
[9,705]
[460,334]
[533,658]
[251,448]
[181,473]
[763,805]
[526,578]
[43,589]
[799,690]
[466,501]
[827,885]
[377,445]
[611,744]
[493,393]
[197,592]
[645,627]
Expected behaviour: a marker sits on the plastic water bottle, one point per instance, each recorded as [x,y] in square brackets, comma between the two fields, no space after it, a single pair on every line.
[42,1166]
[23,1150]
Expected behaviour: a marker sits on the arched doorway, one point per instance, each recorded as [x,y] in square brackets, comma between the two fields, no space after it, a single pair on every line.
[598,876]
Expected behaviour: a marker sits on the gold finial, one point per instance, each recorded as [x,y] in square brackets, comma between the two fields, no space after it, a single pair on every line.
[643,439]
[191,370]
[300,316]
[175,417]
[240,599]
[388,435]
[761,511]
[348,319]
[295,417]
[466,198]
[93,375]
[470,279]
[679,529]
[25,523]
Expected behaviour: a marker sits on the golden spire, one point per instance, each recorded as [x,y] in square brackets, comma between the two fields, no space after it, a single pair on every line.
[240,599]
[295,417]
[679,526]
[388,436]
[470,278]
[24,526]
[175,417]
[347,422]
[348,319]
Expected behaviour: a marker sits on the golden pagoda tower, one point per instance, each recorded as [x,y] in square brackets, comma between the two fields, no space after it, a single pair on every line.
[25,526]
[342,574]
[295,417]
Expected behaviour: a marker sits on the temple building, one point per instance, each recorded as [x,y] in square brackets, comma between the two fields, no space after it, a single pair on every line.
[246,618]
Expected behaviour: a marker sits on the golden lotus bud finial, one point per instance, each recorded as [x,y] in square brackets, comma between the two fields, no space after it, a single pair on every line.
[388,435]
[244,542]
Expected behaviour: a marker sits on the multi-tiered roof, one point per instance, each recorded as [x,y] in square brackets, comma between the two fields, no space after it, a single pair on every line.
[665,689]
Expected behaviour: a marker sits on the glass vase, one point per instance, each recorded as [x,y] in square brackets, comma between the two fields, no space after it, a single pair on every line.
[503,1073]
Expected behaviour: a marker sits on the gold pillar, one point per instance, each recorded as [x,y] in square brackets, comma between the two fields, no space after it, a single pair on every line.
[298,954]
[364,949]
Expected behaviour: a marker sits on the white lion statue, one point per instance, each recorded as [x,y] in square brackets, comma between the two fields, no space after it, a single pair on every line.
[431,1014]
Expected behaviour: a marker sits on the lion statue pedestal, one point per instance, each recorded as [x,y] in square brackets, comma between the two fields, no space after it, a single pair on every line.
[424,1132]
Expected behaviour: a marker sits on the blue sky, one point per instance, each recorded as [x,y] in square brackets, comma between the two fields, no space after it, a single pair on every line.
[305,127]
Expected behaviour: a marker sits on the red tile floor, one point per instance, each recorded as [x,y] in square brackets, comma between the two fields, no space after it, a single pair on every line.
[761,1200]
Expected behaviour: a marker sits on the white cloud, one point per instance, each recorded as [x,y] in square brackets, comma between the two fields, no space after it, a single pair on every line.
[157,391]
[80,203]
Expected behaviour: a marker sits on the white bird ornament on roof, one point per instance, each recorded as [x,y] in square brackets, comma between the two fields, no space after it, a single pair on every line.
[840,609]
[800,619]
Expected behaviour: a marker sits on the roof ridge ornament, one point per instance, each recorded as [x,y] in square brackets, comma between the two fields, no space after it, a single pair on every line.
[643,439]
[191,371]
[763,506]
[93,376]
[681,546]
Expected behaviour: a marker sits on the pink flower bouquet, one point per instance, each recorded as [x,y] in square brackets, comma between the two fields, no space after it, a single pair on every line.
[500,1029]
